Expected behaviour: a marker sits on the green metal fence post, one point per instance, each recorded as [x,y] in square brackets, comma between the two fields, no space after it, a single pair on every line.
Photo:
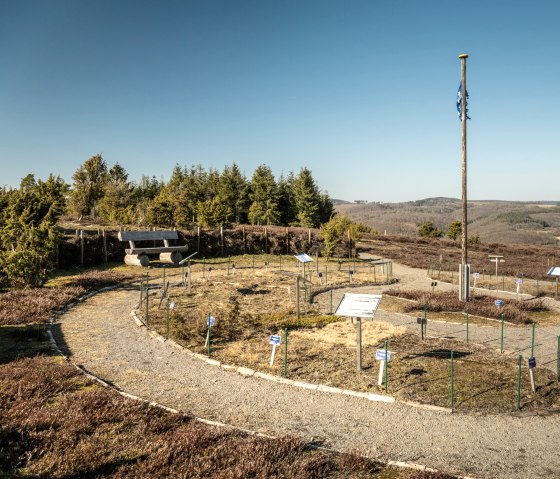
[558,361]
[533,340]
[167,319]
[502,341]
[452,382]
[467,324]
[208,324]
[326,275]
[285,351]
[331,301]
[519,359]
[386,370]
[147,300]
[425,322]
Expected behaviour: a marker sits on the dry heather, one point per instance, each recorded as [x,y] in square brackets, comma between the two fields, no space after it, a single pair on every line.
[37,305]
[515,311]
[55,423]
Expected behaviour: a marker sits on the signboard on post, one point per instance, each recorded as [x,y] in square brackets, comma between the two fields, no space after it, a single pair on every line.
[495,258]
[358,306]
[499,303]
[275,341]
[355,305]
[380,355]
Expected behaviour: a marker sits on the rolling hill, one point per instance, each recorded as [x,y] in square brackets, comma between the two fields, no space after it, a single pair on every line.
[494,221]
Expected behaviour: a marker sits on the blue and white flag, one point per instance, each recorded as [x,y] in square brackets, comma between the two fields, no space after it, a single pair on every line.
[460,103]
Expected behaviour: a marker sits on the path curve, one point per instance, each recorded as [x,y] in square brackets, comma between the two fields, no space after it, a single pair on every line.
[100,335]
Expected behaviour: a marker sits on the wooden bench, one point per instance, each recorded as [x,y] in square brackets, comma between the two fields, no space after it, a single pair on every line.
[138,255]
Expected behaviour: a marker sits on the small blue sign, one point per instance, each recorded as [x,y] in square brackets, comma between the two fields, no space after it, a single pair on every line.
[518,281]
[211,321]
[499,303]
[380,355]
[532,363]
[476,275]
[171,305]
[275,339]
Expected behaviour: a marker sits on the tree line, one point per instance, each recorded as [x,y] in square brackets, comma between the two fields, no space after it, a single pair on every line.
[193,196]
[196,196]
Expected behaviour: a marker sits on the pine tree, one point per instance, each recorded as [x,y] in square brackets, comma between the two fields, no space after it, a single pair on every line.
[264,197]
[307,200]
[89,186]
[286,201]
[233,189]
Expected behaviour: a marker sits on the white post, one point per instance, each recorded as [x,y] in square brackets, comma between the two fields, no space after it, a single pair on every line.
[381,373]
[272,355]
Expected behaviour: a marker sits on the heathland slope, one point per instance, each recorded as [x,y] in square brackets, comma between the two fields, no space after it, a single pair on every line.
[493,221]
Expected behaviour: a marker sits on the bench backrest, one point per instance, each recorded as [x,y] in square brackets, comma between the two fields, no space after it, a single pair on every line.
[147,235]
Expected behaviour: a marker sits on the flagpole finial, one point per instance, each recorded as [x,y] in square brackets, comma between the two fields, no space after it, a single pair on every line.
[463,55]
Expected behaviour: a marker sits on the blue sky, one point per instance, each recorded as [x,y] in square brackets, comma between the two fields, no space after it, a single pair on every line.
[361,92]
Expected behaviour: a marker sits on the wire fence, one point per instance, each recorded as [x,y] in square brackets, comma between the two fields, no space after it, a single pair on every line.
[313,290]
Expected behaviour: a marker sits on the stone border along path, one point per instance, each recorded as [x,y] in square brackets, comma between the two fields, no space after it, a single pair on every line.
[100,336]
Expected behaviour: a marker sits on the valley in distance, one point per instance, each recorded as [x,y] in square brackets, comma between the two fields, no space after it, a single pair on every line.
[510,222]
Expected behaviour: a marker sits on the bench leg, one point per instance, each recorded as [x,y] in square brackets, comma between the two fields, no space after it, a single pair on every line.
[172,258]
[137,260]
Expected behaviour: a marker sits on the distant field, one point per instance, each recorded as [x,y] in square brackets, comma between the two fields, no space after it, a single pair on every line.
[494,221]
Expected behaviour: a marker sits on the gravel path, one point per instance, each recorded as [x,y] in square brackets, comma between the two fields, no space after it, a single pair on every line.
[101,335]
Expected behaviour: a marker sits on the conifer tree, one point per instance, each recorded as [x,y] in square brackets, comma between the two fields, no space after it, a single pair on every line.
[89,186]
[264,197]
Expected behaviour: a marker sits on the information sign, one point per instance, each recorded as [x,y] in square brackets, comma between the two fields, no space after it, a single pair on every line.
[303,258]
[532,363]
[355,305]
[211,321]
[499,303]
[275,340]
[380,355]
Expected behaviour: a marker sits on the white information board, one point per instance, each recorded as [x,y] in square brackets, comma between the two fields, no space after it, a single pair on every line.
[303,258]
[355,305]
[554,271]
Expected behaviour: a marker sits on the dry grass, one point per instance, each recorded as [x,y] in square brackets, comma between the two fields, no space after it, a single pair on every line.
[344,333]
[37,305]
[515,311]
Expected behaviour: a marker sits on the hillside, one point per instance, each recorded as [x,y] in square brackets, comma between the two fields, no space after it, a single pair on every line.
[493,221]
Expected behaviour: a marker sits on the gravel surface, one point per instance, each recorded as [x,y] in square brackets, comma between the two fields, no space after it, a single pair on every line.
[100,335]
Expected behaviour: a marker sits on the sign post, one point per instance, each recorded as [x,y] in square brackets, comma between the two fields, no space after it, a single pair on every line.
[494,258]
[209,323]
[275,341]
[383,356]
[532,366]
[518,282]
[358,306]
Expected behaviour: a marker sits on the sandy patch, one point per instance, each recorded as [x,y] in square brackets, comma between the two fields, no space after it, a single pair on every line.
[344,333]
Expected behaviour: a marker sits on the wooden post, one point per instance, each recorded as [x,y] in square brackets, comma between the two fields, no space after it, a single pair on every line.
[82,247]
[244,245]
[198,238]
[287,240]
[104,246]
[265,240]
[297,296]
[222,238]
[463,293]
